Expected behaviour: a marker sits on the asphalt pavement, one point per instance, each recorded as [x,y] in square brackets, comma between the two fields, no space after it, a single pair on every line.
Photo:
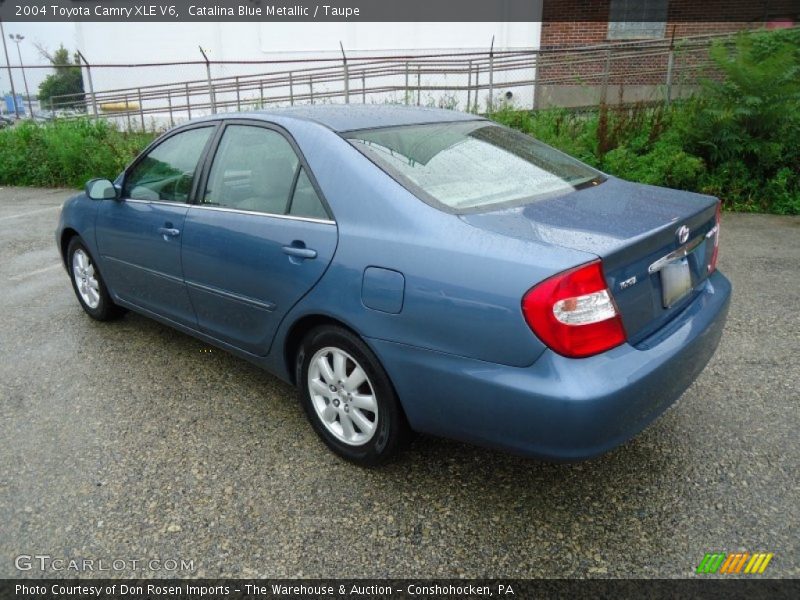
[130,442]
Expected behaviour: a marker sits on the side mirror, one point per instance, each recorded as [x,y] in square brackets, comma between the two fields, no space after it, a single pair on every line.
[101,189]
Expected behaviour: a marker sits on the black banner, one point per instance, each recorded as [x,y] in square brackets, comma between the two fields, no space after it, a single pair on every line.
[396,11]
[400,589]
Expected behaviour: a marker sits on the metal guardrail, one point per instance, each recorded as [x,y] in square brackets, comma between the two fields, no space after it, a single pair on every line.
[473,81]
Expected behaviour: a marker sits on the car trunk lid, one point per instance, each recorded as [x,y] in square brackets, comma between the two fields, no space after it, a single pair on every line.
[656,243]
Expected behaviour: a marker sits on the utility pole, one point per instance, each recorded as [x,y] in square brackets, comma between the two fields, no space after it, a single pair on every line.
[8,66]
[17,39]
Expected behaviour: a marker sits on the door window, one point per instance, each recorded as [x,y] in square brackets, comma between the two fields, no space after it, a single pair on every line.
[168,171]
[305,201]
[256,169]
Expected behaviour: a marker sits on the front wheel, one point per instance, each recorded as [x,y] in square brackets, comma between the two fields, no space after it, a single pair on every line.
[88,284]
[348,397]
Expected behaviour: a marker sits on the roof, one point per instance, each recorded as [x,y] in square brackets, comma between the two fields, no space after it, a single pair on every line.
[349,117]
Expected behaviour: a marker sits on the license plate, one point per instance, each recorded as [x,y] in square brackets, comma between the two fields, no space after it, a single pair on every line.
[676,282]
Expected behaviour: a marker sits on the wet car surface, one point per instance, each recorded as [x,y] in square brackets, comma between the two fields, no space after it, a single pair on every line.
[412,269]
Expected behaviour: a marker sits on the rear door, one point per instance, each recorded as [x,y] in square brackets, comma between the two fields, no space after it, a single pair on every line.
[139,236]
[259,237]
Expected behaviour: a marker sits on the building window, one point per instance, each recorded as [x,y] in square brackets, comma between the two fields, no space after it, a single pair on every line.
[637,19]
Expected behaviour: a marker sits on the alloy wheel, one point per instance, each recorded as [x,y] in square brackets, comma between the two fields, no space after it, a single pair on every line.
[85,278]
[343,396]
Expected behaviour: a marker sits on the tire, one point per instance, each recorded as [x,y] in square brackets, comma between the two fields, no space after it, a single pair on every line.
[88,284]
[367,401]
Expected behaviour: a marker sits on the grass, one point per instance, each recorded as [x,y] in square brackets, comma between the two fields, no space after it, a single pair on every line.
[66,153]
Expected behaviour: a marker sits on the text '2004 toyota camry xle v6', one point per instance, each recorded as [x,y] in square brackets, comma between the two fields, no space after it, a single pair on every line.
[412,269]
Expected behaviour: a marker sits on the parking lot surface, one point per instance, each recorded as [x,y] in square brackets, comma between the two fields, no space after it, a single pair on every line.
[129,441]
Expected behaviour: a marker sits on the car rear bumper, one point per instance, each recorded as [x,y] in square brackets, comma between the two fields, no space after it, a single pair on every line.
[559,408]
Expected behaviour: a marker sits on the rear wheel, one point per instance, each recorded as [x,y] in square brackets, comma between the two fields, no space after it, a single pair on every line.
[348,397]
[89,287]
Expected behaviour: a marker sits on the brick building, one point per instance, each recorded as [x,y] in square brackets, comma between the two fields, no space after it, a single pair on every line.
[624,44]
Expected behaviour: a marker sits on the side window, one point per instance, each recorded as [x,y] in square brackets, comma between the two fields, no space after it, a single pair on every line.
[305,202]
[168,171]
[254,169]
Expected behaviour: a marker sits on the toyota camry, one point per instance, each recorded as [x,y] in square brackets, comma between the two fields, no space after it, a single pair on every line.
[412,269]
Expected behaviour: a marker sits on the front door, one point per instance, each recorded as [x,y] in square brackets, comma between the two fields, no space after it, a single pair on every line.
[258,239]
[139,236]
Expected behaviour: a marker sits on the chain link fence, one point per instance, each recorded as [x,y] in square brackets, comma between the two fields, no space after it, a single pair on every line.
[475,81]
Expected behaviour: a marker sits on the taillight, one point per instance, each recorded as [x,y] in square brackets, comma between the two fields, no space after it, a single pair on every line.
[574,313]
[712,265]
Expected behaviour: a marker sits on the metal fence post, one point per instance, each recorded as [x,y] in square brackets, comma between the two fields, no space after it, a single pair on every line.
[141,106]
[419,83]
[238,97]
[670,68]
[128,111]
[490,104]
[211,94]
[291,89]
[535,91]
[311,88]
[346,75]
[477,85]
[363,88]
[188,102]
[261,92]
[469,84]
[169,103]
[406,87]
[89,81]
[606,75]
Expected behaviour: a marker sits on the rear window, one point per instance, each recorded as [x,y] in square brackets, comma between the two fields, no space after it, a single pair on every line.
[473,165]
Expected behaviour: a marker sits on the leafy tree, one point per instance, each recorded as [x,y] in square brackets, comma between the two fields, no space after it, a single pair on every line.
[67,80]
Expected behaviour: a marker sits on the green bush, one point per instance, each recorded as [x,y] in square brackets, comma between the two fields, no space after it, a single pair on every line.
[746,124]
[738,139]
[665,164]
[65,153]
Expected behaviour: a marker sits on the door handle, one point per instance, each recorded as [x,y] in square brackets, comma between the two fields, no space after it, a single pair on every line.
[299,250]
[169,232]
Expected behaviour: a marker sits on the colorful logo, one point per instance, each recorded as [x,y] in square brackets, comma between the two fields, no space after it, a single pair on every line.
[733,564]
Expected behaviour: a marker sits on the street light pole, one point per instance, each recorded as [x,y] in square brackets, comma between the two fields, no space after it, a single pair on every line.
[17,39]
[8,66]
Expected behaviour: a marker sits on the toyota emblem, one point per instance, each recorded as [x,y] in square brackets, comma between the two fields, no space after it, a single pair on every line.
[683,234]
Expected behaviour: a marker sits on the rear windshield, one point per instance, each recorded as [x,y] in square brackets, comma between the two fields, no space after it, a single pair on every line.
[472,165]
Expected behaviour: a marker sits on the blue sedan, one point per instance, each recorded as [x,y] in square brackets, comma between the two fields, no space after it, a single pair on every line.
[412,269]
